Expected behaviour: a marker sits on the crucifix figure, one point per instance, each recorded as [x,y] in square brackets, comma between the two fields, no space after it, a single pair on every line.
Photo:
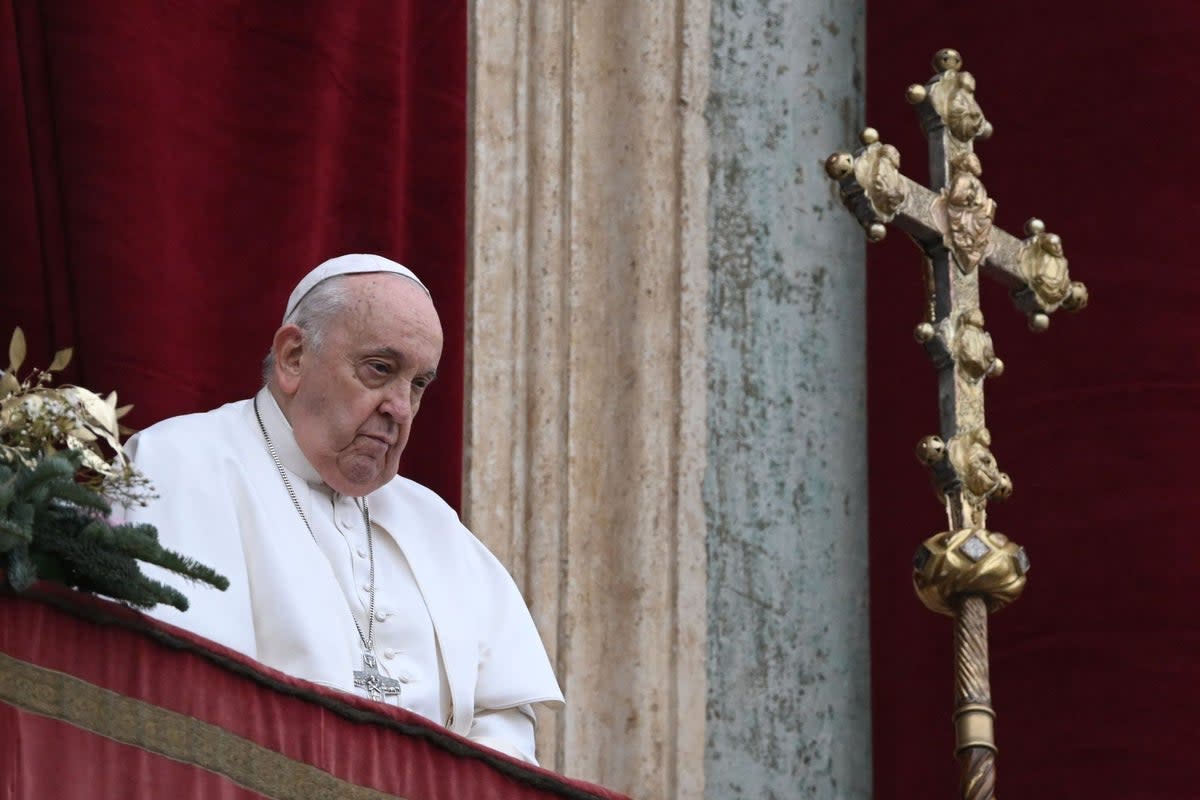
[375,682]
[966,571]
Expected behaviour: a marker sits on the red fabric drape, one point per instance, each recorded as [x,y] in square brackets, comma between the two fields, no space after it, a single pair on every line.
[1094,669]
[171,170]
[97,701]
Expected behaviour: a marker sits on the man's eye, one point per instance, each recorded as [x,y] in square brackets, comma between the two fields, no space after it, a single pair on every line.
[378,367]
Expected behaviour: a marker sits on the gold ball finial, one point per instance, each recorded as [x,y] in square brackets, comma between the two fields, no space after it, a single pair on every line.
[1038,322]
[876,231]
[1034,226]
[985,131]
[1077,300]
[997,369]
[839,165]
[916,94]
[869,136]
[947,58]
[930,450]
[923,332]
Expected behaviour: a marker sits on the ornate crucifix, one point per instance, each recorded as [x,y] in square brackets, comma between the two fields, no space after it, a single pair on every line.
[967,571]
[375,682]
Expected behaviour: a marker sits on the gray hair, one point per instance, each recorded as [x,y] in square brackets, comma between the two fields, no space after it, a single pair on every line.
[312,315]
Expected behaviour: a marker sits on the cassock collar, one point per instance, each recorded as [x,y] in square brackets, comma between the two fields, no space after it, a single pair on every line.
[280,431]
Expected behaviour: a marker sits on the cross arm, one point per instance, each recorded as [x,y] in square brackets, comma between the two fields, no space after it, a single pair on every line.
[951,220]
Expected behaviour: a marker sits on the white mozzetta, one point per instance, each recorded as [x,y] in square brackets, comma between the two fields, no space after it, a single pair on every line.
[450,624]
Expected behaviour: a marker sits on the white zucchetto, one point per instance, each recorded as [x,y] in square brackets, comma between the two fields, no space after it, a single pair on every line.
[353,264]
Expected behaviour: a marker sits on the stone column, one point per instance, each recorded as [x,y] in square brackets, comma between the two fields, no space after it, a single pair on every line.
[666,389]
[586,390]
[785,489]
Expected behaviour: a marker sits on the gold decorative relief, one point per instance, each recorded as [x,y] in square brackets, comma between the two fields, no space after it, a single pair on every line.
[953,97]
[877,170]
[969,213]
[973,351]
[1044,267]
[970,562]
[971,456]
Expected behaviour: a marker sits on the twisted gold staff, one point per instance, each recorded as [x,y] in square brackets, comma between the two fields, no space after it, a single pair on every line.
[967,571]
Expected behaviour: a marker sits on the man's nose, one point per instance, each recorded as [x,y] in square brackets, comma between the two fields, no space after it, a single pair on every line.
[397,403]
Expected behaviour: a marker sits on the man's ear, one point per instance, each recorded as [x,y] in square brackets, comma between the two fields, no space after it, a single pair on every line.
[288,347]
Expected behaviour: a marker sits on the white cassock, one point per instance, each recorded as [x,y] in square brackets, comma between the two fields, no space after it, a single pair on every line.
[449,622]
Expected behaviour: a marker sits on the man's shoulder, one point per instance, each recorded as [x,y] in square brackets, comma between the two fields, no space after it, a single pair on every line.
[202,431]
[416,497]
[404,502]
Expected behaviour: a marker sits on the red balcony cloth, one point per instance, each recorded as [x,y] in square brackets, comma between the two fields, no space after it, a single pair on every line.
[97,700]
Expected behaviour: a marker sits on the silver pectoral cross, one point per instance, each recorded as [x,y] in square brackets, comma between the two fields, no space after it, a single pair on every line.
[375,682]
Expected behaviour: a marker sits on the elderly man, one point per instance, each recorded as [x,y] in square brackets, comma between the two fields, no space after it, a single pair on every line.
[341,572]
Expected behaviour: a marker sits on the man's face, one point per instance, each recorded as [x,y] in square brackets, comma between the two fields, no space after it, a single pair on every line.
[351,403]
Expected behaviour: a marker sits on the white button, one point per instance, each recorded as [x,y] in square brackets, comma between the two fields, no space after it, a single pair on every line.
[366,587]
[404,677]
[389,654]
[382,615]
[362,553]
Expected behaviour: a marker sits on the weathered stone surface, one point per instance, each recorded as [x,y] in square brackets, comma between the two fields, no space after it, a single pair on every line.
[785,489]
[586,389]
[674,470]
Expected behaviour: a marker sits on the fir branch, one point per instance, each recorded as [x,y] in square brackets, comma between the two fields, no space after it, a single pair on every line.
[141,542]
[85,564]
[21,570]
[62,468]
[56,529]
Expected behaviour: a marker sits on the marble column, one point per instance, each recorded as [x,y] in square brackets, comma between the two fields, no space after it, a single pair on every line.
[586,366]
[785,488]
[665,420]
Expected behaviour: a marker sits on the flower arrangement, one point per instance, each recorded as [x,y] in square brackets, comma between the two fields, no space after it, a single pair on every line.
[62,469]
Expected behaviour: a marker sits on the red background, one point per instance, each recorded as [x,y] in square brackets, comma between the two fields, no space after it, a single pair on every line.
[1095,668]
[171,170]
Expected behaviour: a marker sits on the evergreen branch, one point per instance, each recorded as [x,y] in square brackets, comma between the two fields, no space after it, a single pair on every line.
[57,529]
[21,570]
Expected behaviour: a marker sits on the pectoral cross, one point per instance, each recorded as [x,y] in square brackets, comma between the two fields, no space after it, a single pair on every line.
[375,682]
[965,571]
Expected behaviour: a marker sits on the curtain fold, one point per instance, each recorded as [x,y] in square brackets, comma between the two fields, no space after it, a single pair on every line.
[171,170]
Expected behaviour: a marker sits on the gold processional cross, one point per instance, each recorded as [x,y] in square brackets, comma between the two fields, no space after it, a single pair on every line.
[967,571]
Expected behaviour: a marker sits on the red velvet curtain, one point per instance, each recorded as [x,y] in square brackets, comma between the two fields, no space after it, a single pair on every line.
[107,707]
[172,169]
[1094,669]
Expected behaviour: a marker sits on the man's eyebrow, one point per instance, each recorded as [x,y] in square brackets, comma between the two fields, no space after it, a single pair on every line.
[385,352]
[396,355]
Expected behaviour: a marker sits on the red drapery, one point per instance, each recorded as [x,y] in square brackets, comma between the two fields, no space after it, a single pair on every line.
[99,701]
[1094,669]
[171,170]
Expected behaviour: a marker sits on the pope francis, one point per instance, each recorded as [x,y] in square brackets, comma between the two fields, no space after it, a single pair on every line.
[340,571]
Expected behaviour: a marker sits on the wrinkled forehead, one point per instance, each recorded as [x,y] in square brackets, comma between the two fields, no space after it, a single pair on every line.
[385,305]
